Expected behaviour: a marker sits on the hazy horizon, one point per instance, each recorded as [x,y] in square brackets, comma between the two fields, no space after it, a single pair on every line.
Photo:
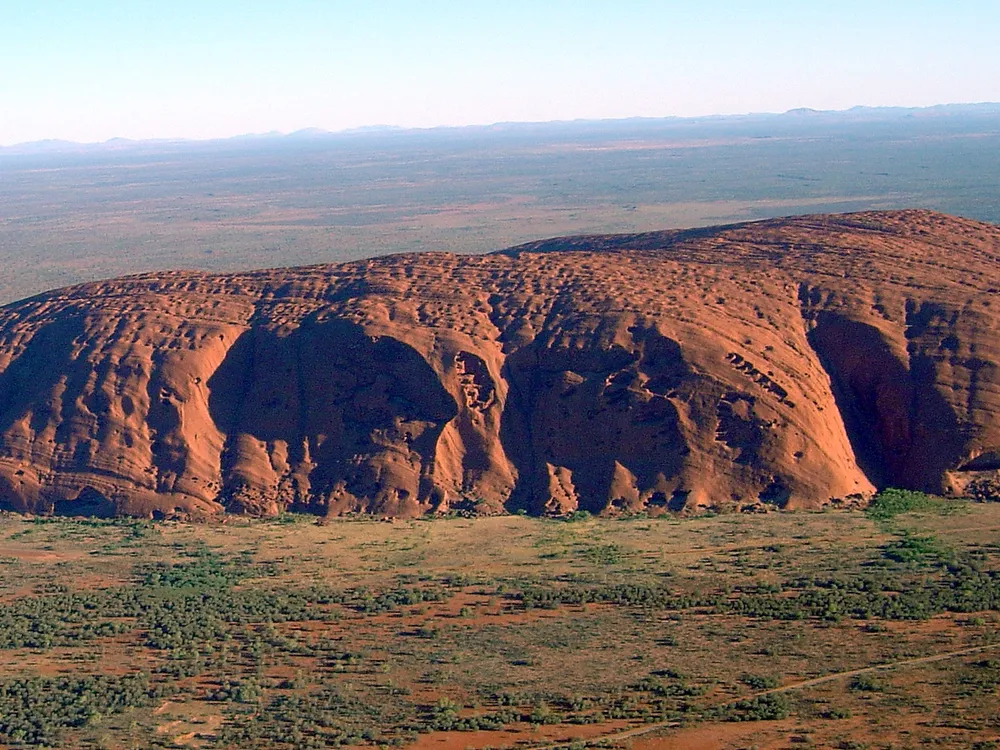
[389,127]
[90,73]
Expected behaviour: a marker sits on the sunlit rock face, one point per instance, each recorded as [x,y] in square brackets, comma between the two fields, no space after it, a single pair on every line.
[779,363]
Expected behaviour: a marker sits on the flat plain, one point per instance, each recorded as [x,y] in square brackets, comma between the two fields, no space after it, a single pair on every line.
[81,214]
[843,628]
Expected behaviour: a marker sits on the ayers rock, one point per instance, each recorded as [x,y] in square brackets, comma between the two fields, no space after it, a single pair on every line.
[786,362]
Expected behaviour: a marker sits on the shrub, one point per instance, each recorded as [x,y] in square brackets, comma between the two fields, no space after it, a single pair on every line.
[763,708]
[760,682]
[865,683]
[891,502]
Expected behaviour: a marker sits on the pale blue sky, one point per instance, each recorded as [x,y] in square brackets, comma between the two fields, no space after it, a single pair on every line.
[90,70]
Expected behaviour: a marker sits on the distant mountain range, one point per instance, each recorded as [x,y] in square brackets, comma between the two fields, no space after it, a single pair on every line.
[558,128]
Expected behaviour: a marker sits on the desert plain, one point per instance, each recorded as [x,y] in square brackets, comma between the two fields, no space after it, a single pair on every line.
[706,484]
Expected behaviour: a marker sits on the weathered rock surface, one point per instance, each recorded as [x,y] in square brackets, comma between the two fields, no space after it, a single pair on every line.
[785,362]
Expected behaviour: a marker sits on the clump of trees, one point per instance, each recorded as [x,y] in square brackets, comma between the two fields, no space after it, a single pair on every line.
[35,710]
[889,503]
[762,708]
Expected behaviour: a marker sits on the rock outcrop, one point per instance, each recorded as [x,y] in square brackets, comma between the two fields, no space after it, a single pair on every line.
[785,362]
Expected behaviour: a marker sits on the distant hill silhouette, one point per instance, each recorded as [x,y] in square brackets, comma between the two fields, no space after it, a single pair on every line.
[556,128]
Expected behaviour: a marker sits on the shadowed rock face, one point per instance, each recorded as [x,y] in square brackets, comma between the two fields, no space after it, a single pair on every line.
[328,417]
[783,362]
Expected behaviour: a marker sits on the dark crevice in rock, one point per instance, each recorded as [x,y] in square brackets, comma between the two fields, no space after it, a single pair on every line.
[904,433]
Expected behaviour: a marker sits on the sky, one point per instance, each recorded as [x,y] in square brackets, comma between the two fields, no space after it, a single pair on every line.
[91,70]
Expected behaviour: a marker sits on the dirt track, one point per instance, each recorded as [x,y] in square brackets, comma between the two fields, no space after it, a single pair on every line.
[649,728]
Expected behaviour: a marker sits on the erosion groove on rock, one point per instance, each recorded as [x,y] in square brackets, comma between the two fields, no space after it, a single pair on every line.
[784,362]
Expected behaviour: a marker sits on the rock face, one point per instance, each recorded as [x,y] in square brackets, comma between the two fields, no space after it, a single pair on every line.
[784,362]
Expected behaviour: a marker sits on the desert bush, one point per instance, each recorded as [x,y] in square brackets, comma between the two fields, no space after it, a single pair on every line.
[34,710]
[866,683]
[760,682]
[912,548]
[889,503]
[763,708]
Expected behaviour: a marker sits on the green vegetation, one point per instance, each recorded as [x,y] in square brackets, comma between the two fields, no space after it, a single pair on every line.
[762,708]
[760,682]
[34,710]
[866,683]
[890,503]
[276,634]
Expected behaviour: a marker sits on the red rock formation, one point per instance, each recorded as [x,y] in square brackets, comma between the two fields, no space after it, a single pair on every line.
[786,362]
